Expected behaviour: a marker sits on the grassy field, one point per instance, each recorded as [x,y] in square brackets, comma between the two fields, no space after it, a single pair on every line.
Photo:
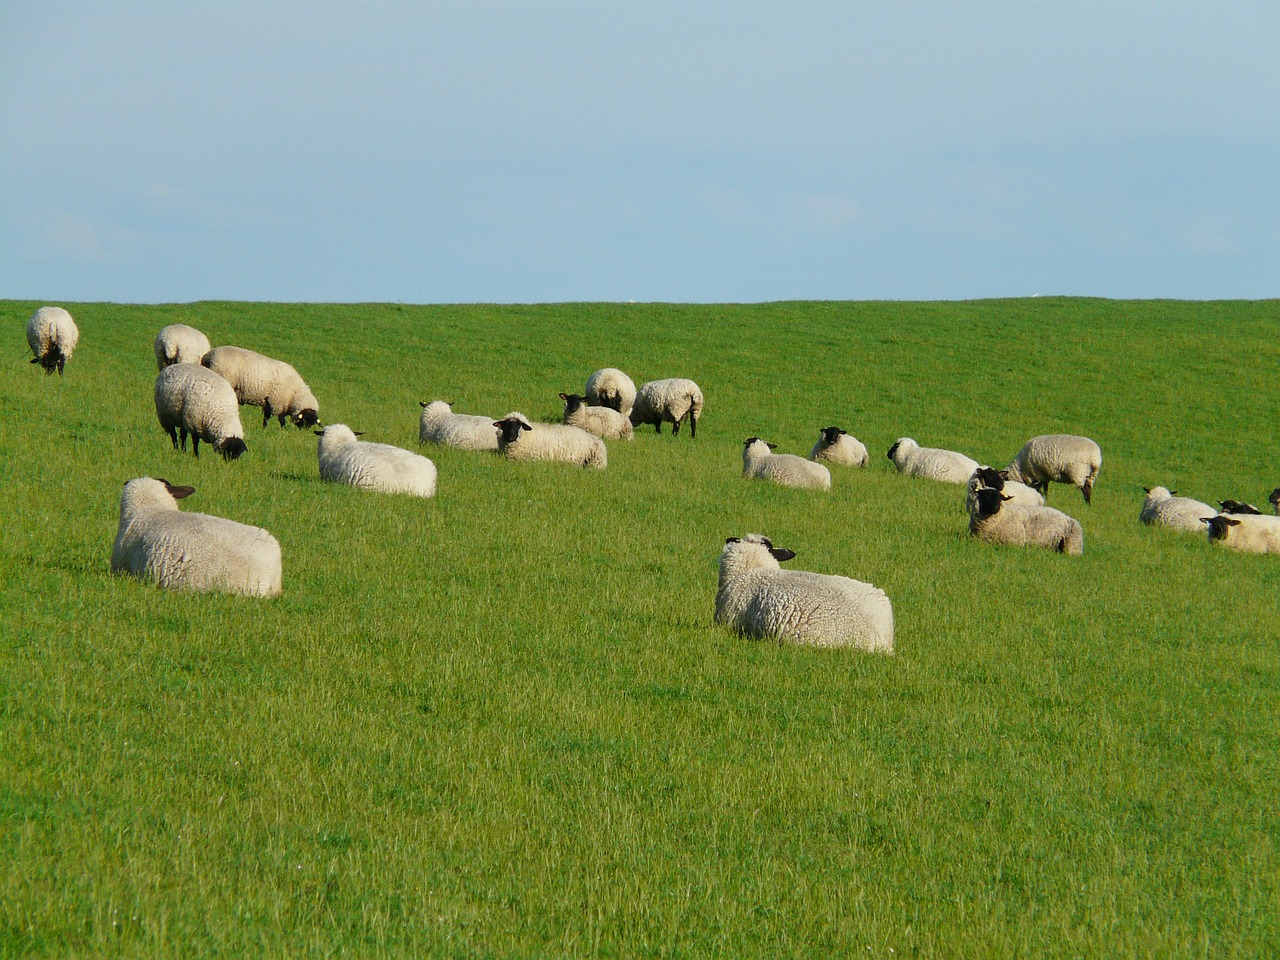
[502,723]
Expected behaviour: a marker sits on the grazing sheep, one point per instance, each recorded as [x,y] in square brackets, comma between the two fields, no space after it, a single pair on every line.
[611,388]
[989,478]
[519,439]
[198,402]
[463,431]
[191,551]
[836,446]
[1274,500]
[670,400]
[996,521]
[1058,458]
[603,422]
[52,336]
[1165,508]
[759,599]
[759,462]
[930,462]
[1246,533]
[372,466]
[1236,508]
[179,343]
[263,382]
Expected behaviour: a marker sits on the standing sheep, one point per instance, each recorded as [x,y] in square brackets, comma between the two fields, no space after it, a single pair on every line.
[603,422]
[198,402]
[611,388]
[191,551]
[1247,533]
[462,431]
[836,446]
[518,439]
[1165,508]
[671,400]
[759,599]
[996,521]
[989,478]
[931,462]
[52,336]
[179,343]
[1058,458]
[372,466]
[759,462]
[263,382]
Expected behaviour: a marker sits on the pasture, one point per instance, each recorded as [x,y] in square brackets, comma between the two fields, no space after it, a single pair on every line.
[500,722]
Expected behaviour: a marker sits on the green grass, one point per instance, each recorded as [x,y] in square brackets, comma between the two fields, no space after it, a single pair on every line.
[502,723]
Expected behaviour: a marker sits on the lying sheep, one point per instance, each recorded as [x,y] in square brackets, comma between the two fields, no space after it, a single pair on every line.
[759,462]
[179,343]
[1058,458]
[836,446]
[196,401]
[757,598]
[1165,508]
[989,478]
[263,382]
[1274,500]
[668,400]
[1236,507]
[930,462]
[611,388]
[520,439]
[463,431]
[372,466]
[52,336]
[191,551]
[603,422]
[997,521]
[1246,532]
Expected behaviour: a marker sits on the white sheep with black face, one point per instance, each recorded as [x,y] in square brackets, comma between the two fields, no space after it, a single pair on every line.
[989,478]
[838,446]
[264,382]
[1248,533]
[179,343]
[611,388]
[759,462]
[519,438]
[372,466]
[462,431]
[931,463]
[1058,458]
[198,402]
[603,422]
[757,598]
[191,551]
[1165,508]
[52,336]
[997,521]
[671,401]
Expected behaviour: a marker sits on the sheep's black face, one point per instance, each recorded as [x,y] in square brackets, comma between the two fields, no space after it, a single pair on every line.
[1235,506]
[572,402]
[307,418]
[991,478]
[232,448]
[1274,499]
[1219,525]
[989,502]
[892,451]
[831,435]
[509,430]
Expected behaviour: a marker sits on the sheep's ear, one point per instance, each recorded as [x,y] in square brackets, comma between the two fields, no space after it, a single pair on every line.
[422,403]
[358,433]
[782,554]
[563,396]
[732,540]
[178,493]
[771,446]
[1004,498]
[750,440]
[1003,474]
[1147,489]
[1231,521]
[1206,519]
[318,433]
[1172,493]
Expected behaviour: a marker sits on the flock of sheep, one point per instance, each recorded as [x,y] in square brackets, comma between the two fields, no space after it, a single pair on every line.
[199,390]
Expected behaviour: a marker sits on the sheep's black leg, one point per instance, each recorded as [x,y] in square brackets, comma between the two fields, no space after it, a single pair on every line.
[266,414]
[693,427]
[195,444]
[1087,490]
[184,439]
[173,435]
[675,427]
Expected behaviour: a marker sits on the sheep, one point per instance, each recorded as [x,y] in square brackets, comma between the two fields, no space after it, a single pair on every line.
[603,422]
[1235,507]
[191,551]
[836,446]
[52,336]
[1246,533]
[611,388]
[760,463]
[1060,458]
[197,401]
[989,478]
[1165,508]
[519,439]
[1274,500]
[463,431]
[996,521]
[263,382]
[179,343]
[372,466]
[930,462]
[672,400]
[757,598]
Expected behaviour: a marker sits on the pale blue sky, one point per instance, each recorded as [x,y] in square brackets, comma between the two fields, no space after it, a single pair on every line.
[433,152]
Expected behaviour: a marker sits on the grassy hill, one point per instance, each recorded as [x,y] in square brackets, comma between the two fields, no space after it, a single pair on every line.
[502,723]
